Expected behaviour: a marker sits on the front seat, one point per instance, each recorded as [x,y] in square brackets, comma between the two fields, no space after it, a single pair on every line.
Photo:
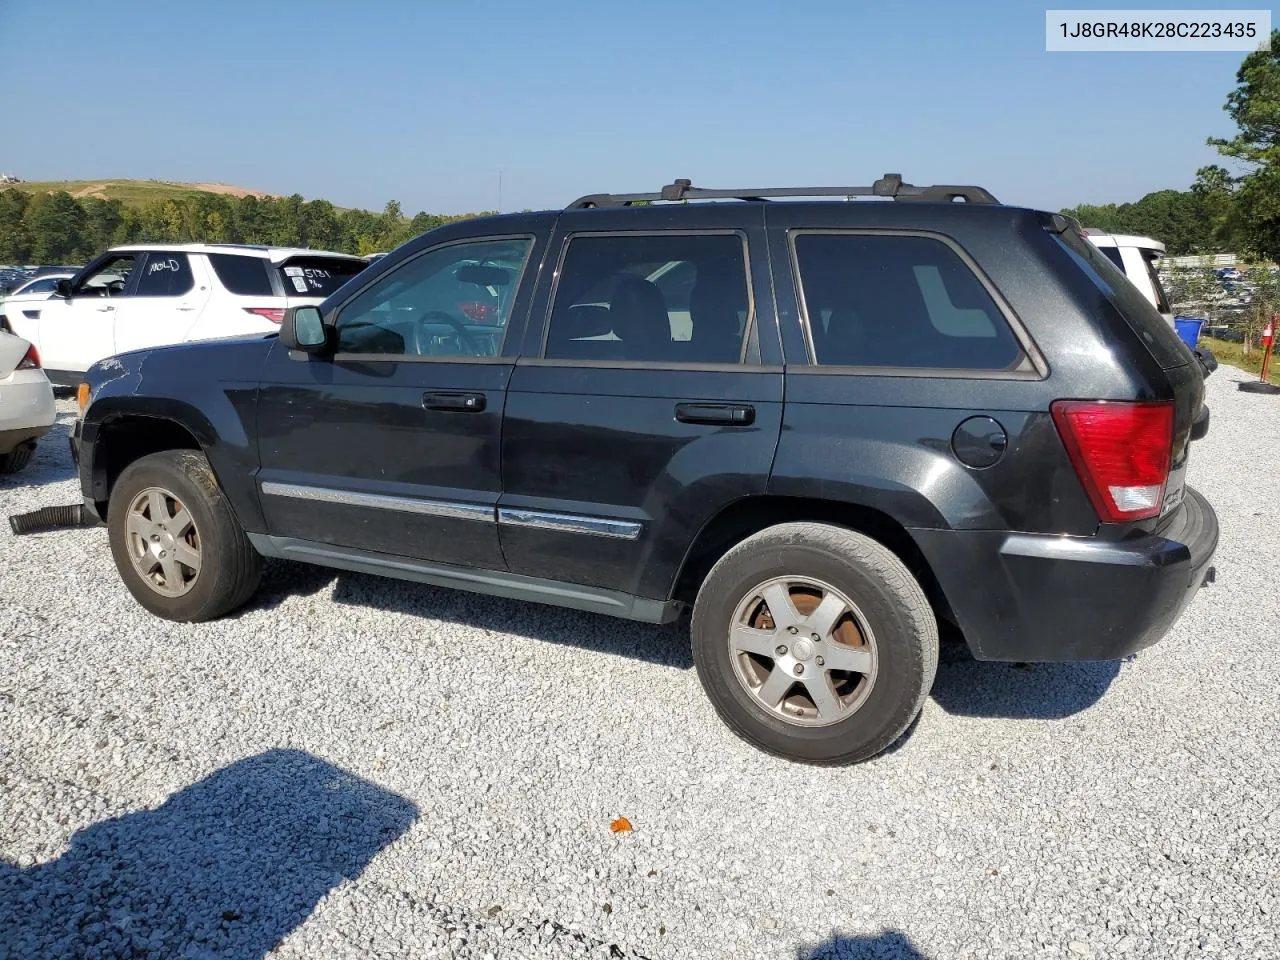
[713,311]
[638,312]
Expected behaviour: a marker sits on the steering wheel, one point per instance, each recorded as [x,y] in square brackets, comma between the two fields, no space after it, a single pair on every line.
[464,336]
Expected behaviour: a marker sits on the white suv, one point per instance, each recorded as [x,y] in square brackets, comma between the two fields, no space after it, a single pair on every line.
[152,295]
[1137,257]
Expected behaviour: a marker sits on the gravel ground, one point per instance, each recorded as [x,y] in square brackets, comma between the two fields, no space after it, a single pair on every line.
[357,767]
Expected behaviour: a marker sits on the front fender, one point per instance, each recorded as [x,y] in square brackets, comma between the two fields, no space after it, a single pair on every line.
[219,411]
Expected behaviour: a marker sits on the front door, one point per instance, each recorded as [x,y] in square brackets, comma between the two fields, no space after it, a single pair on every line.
[392,444]
[76,333]
[649,401]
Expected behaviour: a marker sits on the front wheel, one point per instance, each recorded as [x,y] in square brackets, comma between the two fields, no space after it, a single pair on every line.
[177,545]
[815,643]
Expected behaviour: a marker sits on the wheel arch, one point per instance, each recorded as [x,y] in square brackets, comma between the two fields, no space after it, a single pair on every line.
[748,516]
[125,438]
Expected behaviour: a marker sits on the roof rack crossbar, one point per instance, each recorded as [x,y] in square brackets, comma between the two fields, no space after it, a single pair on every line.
[890,185]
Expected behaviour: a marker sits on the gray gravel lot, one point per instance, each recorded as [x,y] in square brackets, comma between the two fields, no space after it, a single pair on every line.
[357,767]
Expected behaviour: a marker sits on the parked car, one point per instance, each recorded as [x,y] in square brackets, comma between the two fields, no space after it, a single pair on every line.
[150,295]
[28,294]
[1136,257]
[26,402]
[864,420]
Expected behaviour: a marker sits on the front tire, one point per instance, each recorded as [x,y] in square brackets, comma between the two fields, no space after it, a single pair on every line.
[177,545]
[814,643]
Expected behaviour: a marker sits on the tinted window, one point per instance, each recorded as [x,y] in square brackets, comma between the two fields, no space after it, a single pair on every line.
[452,301]
[165,275]
[243,276]
[893,301]
[43,285]
[317,276]
[109,279]
[1113,254]
[659,298]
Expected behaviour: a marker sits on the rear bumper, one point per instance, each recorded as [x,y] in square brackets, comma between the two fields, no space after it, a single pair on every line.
[11,440]
[1038,598]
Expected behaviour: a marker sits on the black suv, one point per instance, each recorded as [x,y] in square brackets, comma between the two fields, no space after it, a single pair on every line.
[826,426]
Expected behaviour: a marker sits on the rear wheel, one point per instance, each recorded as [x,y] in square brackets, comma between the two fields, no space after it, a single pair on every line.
[814,643]
[177,545]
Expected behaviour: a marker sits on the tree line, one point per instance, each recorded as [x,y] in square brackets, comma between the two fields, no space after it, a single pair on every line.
[56,228]
[1220,211]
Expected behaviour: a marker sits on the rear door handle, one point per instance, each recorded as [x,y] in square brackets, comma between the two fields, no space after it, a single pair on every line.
[106,309]
[726,414]
[460,401]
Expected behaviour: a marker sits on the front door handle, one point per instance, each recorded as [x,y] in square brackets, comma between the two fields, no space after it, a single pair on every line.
[456,400]
[726,414]
[106,309]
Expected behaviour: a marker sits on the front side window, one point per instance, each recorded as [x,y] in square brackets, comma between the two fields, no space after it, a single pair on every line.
[454,301]
[654,298]
[109,279]
[165,275]
[43,285]
[899,301]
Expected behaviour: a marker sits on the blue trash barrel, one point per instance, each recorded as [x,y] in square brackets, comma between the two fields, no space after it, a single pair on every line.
[1188,329]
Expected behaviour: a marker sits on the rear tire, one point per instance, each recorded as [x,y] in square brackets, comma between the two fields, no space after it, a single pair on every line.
[771,667]
[177,545]
[16,459]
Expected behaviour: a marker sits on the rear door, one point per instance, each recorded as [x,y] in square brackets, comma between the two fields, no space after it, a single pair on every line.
[172,290]
[392,444]
[649,395]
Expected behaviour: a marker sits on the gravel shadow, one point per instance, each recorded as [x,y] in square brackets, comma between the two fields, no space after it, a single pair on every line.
[224,868]
[890,945]
[1033,691]
[665,645]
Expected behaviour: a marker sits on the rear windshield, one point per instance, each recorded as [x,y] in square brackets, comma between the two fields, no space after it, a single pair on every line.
[317,276]
[1145,321]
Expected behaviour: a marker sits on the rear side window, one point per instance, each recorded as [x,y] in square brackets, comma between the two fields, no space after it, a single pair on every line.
[165,275]
[317,276]
[1113,254]
[651,298]
[243,276]
[898,301]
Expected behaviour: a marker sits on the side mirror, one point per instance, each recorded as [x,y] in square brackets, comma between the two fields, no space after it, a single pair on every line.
[63,288]
[303,329]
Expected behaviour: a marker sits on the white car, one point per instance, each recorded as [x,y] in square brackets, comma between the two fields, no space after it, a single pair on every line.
[1137,257]
[152,295]
[27,294]
[26,402]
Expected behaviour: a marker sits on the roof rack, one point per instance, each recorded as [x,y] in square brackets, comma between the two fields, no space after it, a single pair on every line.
[890,185]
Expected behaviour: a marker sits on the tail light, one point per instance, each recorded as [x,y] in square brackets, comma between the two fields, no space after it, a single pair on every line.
[1122,452]
[30,360]
[274,314]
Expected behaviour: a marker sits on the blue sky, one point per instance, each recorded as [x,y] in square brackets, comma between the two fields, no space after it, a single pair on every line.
[426,102]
